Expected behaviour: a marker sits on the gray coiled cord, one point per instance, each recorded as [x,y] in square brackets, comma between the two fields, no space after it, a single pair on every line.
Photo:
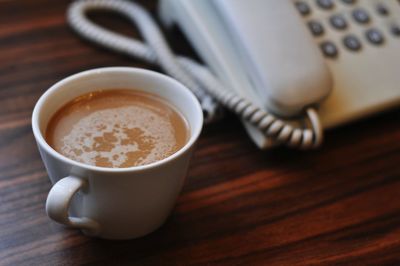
[193,75]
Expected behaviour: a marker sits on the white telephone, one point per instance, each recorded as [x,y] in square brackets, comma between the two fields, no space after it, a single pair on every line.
[281,57]
[266,49]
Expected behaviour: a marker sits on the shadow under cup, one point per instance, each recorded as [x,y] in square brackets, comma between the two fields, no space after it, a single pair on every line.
[124,202]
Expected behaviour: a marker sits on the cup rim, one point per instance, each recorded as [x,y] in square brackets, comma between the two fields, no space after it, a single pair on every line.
[194,133]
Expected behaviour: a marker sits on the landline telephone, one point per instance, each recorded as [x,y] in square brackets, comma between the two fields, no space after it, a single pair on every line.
[272,62]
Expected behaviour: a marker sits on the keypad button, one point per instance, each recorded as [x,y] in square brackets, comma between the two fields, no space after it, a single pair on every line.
[352,42]
[338,22]
[325,4]
[315,28]
[395,29]
[329,49]
[374,36]
[303,8]
[349,2]
[361,16]
[381,9]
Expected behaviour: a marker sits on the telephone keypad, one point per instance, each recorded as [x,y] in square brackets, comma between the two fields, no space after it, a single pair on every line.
[349,24]
[361,16]
[374,36]
[352,42]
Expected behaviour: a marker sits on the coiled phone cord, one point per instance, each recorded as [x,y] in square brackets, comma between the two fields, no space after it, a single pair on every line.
[193,75]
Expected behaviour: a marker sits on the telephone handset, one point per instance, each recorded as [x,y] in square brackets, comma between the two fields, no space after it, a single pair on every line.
[267,52]
[264,63]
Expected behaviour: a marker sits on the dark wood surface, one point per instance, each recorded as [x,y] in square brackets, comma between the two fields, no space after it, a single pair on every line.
[239,206]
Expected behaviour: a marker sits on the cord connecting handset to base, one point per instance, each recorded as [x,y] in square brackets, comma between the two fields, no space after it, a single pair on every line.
[210,91]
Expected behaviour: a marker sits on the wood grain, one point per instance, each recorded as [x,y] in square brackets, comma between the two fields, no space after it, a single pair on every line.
[239,206]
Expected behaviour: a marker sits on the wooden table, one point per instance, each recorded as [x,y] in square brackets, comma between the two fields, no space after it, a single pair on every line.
[337,205]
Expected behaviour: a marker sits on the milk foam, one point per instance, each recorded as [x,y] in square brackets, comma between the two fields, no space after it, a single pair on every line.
[120,137]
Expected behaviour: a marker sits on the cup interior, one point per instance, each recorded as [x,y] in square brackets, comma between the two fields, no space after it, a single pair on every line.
[117,78]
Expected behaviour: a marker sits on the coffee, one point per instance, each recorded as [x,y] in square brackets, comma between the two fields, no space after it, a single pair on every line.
[117,128]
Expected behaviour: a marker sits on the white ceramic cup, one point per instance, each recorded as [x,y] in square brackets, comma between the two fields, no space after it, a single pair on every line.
[115,203]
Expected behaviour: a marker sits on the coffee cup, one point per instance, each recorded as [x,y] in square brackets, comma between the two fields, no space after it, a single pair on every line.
[115,203]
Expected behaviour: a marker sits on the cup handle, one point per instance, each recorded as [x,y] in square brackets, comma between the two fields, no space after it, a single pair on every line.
[58,202]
